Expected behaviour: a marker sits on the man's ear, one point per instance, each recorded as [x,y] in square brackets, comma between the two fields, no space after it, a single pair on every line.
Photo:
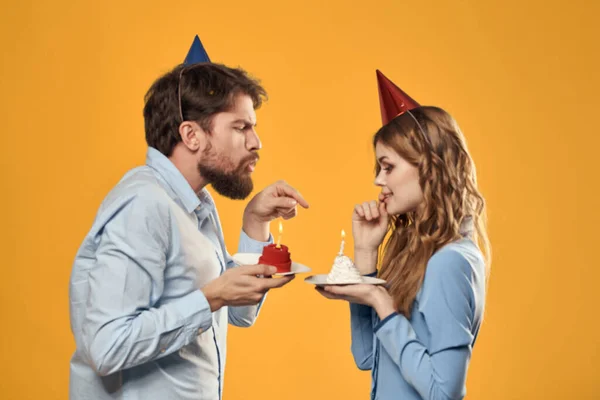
[192,135]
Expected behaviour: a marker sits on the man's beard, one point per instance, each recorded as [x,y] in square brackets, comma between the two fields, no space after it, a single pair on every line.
[233,183]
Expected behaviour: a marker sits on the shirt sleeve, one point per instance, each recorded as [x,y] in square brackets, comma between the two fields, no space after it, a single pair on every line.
[439,370]
[361,330]
[245,316]
[124,324]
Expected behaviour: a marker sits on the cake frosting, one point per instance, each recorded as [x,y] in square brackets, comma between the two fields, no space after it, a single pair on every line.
[344,271]
[279,257]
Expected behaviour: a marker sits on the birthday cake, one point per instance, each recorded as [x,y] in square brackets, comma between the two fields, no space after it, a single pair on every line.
[344,271]
[279,257]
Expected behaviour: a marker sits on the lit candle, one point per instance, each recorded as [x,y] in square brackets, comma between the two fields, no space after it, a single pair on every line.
[342,245]
[279,238]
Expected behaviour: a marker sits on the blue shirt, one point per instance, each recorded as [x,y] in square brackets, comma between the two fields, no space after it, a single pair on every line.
[143,329]
[426,356]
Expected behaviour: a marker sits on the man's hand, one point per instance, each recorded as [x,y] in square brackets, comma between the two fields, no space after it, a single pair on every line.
[242,286]
[276,200]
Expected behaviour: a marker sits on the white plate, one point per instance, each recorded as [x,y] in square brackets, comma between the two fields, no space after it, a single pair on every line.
[321,280]
[252,259]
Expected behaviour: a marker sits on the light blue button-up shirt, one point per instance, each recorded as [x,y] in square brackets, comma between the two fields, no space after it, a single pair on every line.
[426,356]
[143,329]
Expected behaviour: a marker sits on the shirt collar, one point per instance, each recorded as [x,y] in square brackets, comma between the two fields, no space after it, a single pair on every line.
[169,172]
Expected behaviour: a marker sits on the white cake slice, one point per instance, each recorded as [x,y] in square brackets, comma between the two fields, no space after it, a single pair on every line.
[344,271]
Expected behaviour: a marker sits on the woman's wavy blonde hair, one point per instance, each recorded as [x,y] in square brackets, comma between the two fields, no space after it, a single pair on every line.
[431,140]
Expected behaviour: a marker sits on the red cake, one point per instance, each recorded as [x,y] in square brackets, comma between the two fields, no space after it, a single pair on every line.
[277,257]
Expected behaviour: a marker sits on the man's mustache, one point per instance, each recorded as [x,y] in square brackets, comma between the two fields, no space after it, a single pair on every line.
[254,157]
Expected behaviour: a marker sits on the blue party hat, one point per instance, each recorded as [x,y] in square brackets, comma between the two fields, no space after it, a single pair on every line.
[197,54]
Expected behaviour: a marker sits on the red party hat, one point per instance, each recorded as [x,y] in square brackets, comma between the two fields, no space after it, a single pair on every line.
[392,99]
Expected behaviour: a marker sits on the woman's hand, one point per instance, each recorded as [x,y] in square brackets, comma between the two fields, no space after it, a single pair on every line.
[369,295]
[369,225]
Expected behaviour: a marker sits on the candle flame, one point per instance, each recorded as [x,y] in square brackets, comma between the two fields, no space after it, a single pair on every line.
[342,244]
[278,245]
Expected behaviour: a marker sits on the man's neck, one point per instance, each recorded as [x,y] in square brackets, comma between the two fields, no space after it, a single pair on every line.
[188,167]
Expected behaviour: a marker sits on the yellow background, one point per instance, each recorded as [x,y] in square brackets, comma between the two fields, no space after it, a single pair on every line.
[521,77]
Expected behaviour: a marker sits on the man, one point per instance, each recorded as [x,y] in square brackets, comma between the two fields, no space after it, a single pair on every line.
[153,287]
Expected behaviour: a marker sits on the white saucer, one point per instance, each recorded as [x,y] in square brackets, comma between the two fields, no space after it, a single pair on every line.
[252,259]
[321,280]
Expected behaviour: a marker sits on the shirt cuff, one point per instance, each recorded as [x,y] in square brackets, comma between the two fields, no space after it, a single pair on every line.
[197,308]
[249,245]
[385,321]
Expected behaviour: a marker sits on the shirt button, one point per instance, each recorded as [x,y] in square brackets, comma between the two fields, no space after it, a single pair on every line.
[162,350]
[200,331]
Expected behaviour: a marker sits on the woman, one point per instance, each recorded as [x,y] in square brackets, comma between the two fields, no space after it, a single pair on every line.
[416,334]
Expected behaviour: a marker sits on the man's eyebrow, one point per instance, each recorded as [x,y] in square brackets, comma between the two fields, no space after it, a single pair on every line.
[244,121]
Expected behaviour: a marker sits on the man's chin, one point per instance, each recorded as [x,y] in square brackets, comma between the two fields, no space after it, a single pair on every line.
[235,190]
